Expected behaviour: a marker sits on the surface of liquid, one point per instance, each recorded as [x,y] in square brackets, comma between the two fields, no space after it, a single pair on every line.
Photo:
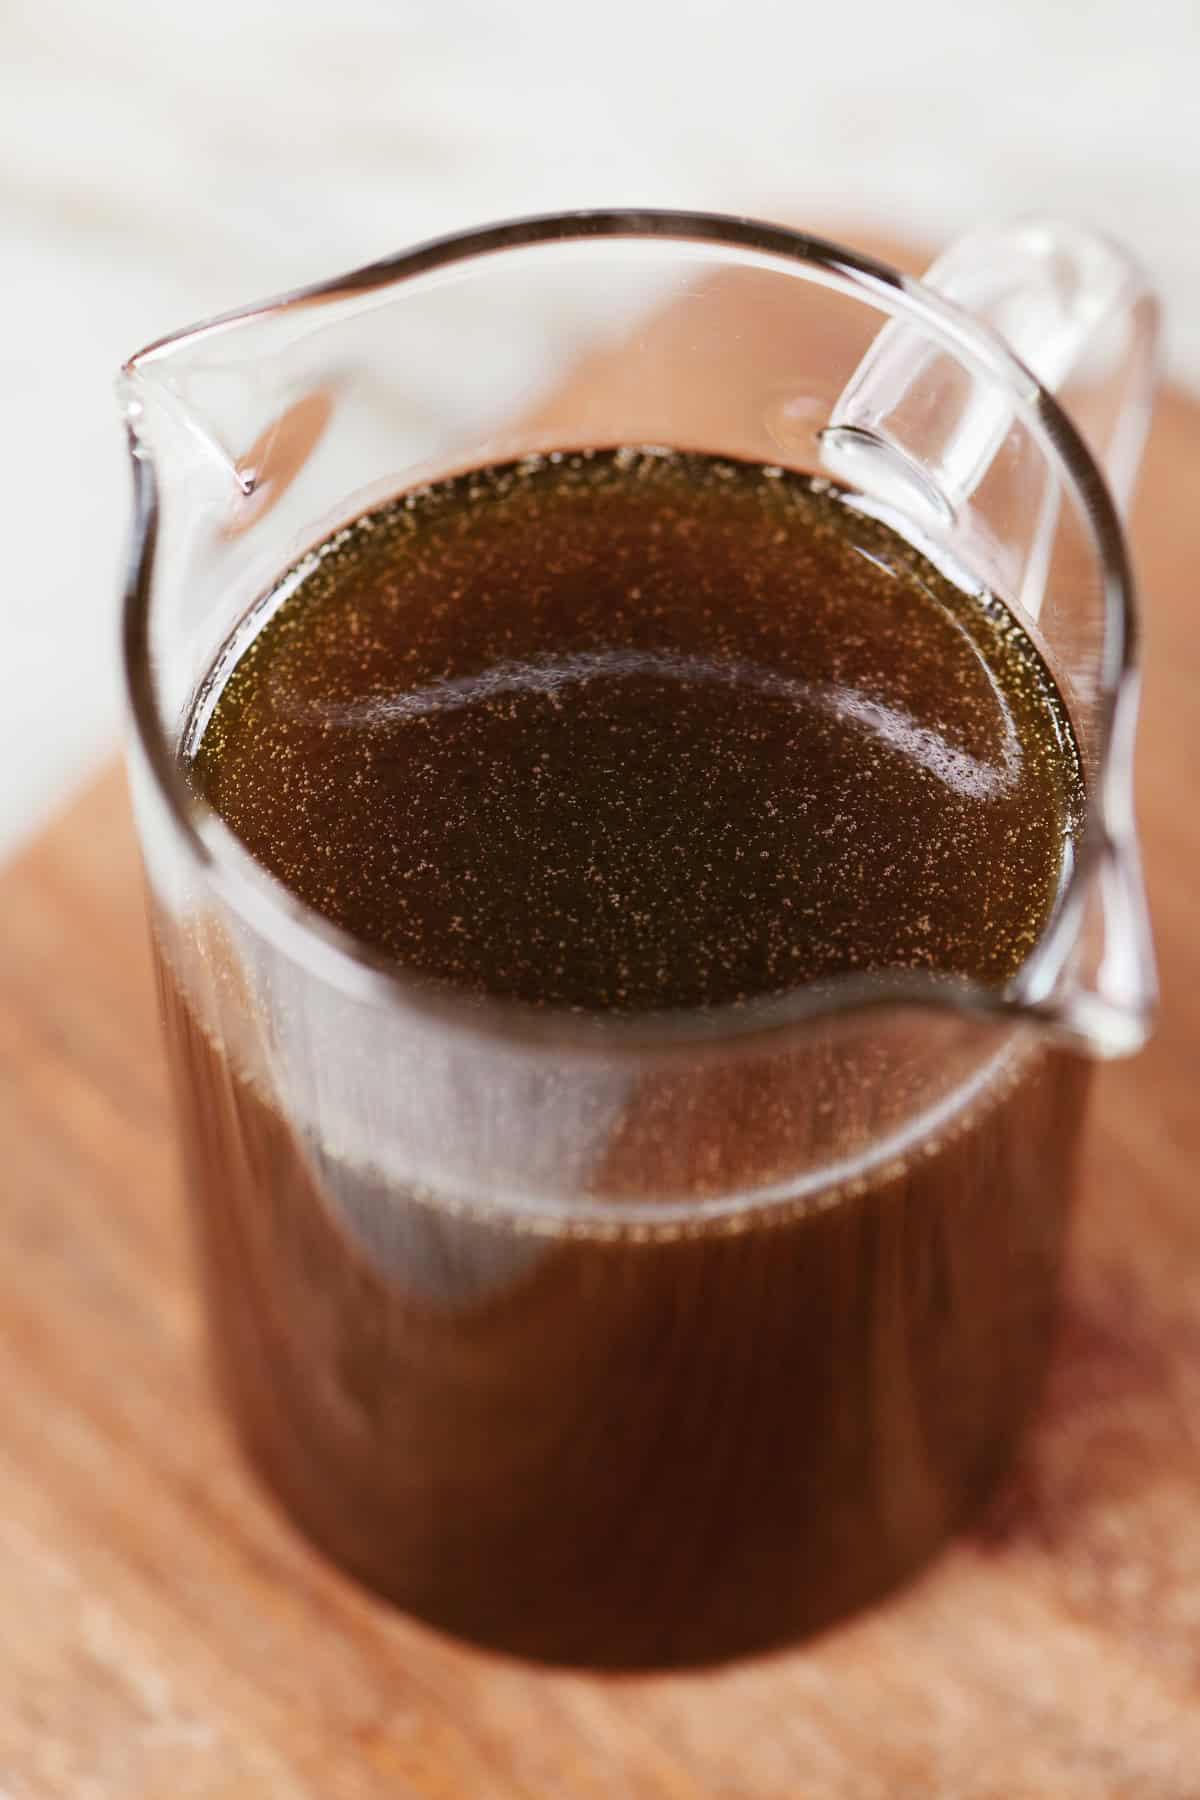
[625,732]
[633,731]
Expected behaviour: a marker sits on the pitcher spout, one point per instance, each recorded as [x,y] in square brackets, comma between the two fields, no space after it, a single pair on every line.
[167,424]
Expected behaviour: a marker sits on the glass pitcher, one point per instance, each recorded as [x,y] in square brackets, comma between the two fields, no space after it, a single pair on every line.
[637,1342]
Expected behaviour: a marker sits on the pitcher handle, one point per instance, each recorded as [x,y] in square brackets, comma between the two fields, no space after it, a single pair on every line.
[1077,310]
[1080,314]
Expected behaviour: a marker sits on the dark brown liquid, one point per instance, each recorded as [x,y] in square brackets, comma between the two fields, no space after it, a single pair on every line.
[628,732]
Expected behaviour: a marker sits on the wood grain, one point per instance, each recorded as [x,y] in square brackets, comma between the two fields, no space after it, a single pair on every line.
[163,1631]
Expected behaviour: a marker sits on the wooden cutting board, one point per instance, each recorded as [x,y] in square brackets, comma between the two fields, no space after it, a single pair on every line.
[163,1631]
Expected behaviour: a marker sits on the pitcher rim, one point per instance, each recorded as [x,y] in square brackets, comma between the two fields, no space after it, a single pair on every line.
[337,957]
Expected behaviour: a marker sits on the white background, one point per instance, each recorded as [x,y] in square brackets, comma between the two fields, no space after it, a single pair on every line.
[156,166]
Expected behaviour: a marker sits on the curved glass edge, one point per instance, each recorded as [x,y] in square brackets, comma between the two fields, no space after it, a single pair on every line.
[333,955]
